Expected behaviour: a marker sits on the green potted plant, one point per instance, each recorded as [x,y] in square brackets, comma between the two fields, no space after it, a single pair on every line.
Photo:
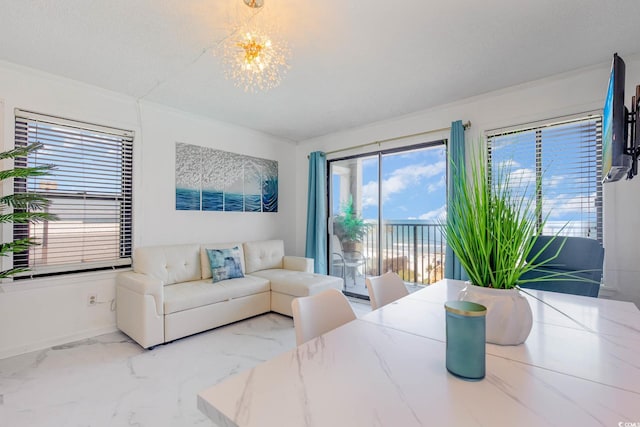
[350,227]
[21,208]
[491,227]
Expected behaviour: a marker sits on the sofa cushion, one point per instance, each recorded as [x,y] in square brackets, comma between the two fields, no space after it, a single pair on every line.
[263,255]
[225,264]
[187,295]
[204,258]
[298,283]
[170,264]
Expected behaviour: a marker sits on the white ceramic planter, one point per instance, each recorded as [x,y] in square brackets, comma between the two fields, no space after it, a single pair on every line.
[509,317]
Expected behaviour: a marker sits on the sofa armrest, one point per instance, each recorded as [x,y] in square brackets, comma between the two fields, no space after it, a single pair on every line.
[297,263]
[143,285]
[140,308]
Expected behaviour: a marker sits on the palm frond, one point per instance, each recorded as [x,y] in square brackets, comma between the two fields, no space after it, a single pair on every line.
[12,272]
[19,245]
[25,172]
[25,201]
[21,151]
[26,217]
[22,208]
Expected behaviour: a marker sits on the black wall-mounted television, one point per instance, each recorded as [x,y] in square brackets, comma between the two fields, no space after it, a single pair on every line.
[616,158]
[635,132]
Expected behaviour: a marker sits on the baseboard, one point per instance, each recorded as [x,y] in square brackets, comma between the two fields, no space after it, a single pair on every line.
[42,345]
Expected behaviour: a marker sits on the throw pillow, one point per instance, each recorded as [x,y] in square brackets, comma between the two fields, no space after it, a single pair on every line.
[225,263]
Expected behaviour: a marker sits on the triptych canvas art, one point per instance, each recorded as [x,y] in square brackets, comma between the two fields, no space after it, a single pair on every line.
[216,180]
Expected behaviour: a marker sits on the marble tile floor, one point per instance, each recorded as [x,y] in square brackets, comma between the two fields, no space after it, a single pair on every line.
[110,380]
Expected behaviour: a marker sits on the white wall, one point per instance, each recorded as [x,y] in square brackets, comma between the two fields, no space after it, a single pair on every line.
[39,313]
[157,221]
[566,94]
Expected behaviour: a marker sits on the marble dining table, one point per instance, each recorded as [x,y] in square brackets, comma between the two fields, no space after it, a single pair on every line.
[580,366]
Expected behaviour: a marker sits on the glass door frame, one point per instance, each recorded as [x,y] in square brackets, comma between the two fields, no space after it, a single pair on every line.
[379,154]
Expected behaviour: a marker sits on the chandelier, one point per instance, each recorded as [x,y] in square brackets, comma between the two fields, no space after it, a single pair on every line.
[255,59]
[254,3]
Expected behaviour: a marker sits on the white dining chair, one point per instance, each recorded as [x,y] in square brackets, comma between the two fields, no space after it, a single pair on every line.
[316,314]
[385,289]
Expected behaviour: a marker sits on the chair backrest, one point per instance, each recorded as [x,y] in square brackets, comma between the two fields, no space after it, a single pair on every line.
[385,289]
[336,246]
[317,314]
[580,256]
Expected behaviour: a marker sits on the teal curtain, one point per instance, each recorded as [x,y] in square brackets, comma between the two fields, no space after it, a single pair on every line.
[453,269]
[316,245]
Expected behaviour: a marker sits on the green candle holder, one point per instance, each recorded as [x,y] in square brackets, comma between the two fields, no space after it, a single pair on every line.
[466,339]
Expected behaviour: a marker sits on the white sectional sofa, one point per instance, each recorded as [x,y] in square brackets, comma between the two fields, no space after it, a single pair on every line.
[170,293]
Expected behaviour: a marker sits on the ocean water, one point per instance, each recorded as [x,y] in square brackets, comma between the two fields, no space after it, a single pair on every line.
[212,201]
[252,203]
[233,202]
[187,200]
[270,195]
[406,233]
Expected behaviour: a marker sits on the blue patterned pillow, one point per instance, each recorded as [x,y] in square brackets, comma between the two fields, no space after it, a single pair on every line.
[225,263]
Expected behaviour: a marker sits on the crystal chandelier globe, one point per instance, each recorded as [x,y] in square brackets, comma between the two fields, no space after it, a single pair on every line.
[255,58]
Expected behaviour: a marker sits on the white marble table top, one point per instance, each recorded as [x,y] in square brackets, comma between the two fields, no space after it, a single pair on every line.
[569,349]
[388,369]
[601,315]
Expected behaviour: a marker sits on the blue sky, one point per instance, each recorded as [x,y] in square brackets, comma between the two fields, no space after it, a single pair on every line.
[565,161]
[569,175]
[413,185]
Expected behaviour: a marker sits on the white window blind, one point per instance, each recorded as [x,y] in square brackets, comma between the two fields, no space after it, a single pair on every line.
[567,157]
[90,189]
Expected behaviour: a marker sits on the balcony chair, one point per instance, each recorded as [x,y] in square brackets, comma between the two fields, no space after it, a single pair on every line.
[581,257]
[385,289]
[320,313]
[350,260]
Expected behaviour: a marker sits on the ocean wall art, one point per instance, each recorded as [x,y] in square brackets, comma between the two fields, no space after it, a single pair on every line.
[216,180]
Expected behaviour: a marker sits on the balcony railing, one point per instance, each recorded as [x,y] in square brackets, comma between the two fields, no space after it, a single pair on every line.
[413,249]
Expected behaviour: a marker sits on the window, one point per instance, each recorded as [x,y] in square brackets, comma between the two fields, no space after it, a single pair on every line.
[90,190]
[394,199]
[567,157]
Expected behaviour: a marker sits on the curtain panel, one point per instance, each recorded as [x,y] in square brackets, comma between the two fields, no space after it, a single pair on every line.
[316,242]
[453,269]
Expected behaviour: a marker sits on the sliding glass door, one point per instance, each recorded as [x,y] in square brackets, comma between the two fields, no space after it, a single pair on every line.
[353,222]
[384,209]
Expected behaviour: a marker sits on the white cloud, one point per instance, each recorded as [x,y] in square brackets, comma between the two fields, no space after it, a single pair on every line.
[400,180]
[566,204]
[523,177]
[509,164]
[435,214]
[553,181]
[370,194]
[438,185]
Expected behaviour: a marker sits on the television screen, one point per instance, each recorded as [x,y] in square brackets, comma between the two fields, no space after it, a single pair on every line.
[615,161]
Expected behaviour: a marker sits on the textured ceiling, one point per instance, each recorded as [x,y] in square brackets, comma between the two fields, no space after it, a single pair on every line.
[352,62]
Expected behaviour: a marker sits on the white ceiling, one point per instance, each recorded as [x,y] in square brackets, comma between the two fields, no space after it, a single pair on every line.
[353,62]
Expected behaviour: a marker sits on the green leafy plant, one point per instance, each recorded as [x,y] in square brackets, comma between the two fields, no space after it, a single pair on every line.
[21,208]
[490,228]
[349,226]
